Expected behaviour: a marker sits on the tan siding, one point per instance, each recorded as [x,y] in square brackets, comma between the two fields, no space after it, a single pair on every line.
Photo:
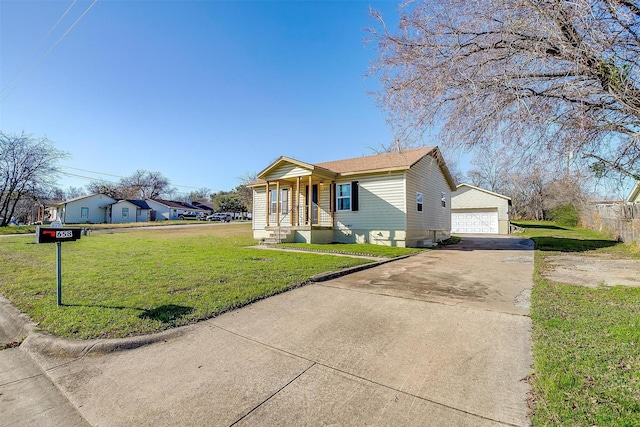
[287,171]
[470,198]
[258,216]
[325,204]
[381,204]
[427,178]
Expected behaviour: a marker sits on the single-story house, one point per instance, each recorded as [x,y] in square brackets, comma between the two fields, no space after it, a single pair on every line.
[396,199]
[169,209]
[100,208]
[128,210]
[204,207]
[476,210]
[634,196]
[91,209]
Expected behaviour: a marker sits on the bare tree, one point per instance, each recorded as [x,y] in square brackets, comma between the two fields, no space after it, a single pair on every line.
[141,184]
[551,75]
[145,184]
[527,193]
[28,166]
[564,190]
[74,192]
[245,194]
[109,188]
[490,170]
[201,195]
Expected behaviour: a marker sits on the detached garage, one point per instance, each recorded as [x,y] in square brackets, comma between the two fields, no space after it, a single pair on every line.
[478,211]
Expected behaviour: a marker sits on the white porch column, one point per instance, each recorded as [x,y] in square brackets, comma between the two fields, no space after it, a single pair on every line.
[310,202]
[278,203]
[298,202]
[268,203]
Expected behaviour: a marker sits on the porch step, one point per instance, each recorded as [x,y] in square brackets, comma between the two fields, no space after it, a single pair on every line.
[278,236]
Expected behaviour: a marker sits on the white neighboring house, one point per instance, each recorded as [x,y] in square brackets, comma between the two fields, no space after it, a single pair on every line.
[394,199]
[634,196]
[168,209]
[164,209]
[91,209]
[478,211]
[129,210]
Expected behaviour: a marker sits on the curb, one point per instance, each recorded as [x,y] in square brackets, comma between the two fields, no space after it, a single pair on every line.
[323,277]
[14,325]
[40,343]
[65,348]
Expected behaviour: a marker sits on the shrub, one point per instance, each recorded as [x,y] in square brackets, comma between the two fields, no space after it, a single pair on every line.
[565,215]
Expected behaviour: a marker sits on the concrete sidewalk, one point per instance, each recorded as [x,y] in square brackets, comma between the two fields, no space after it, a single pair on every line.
[399,344]
[27,396]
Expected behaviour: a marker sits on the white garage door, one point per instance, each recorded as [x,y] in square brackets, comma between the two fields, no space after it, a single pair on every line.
[474,221]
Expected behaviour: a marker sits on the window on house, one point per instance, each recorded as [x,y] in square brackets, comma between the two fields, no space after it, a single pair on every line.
[84,212]
[284,200]
[274,201]
[125,212]
[419,202]
[443,198]
[343,197]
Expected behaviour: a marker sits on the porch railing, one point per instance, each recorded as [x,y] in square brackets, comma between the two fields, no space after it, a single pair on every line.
[282,217]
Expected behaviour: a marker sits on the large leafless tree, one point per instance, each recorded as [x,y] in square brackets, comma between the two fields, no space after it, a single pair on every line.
[141,184]
[28,167]
[559,76]
[145,184]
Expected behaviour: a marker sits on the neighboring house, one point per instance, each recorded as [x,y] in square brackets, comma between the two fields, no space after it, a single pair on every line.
[634,196]
[123,211]
[395,199]
[168,209]
[475,210]
[91,209]
[204,207]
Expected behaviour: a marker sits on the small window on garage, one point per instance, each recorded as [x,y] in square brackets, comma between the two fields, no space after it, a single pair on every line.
[84,212]
[125,212]
[443,200]
[419,202]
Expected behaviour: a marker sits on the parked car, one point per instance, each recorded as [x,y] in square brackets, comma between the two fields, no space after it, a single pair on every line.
[219,217]
[191,215]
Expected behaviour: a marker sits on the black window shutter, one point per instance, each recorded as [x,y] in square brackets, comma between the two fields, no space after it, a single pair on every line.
[332,193]
[354,195]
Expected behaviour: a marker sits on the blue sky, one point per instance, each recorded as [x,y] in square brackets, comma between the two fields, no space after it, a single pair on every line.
[202,91]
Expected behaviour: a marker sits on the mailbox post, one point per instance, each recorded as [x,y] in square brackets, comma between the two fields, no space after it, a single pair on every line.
[57,235]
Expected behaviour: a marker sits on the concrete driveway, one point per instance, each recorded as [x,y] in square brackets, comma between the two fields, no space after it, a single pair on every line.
[441,339]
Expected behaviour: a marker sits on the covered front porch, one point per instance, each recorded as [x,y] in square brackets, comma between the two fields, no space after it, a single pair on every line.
[294,199]
[299,202]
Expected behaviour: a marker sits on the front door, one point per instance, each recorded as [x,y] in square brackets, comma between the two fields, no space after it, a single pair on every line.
[314,207]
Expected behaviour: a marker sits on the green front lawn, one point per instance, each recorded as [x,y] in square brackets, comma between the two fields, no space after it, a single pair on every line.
[367,249]
[586,342]
[118,284]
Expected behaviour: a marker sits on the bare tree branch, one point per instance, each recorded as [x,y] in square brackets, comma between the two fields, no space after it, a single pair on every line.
[562,74]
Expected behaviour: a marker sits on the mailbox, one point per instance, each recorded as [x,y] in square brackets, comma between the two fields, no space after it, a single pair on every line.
[53,235]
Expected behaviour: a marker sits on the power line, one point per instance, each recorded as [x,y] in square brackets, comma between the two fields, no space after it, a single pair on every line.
[107,174]
[35,51]
[84,177]
[97,173]
[49,50]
